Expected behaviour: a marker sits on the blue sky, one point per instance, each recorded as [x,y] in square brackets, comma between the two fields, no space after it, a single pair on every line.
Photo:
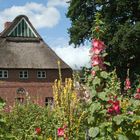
[49,19]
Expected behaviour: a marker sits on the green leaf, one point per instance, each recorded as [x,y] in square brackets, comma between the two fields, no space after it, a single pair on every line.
[1,103]
[104,54]
[93,92]
[94,107]
[96,81]
[118,119]
[102,95]
[122,137]
[91,120]
[137,132]
[93,132]
[104,74]
[107,63]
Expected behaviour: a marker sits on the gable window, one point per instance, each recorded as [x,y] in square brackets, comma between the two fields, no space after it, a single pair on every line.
[22,29]
[23,74]
[41,74]
[3,73]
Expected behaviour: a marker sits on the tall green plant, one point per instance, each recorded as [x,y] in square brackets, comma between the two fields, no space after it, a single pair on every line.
[112,116]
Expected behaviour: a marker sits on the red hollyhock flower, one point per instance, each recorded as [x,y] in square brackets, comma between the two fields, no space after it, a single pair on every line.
[127,84]
[114,108]
[60,132]
[38,130]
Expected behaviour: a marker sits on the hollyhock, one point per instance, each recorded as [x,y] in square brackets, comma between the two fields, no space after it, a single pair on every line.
[96,60]
[138,90]
[93,72]
[127,84]
[97,46]
[137,96]
[96,50]
[114,108]
[38,130]
[98,43]
[60,132]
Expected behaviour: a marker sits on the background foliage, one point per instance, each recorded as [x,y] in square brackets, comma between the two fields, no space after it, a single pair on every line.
[122,36]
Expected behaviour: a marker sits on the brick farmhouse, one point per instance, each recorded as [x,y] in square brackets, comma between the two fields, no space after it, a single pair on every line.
[27,64]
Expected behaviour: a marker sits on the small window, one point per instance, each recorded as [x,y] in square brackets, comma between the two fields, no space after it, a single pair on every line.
[3,73]
[23,74]
[49,101]
[41,74]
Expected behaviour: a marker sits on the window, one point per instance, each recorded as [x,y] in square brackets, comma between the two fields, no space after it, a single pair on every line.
[23,74]
[49,101]
[41,74]
[20,97]
[3,73]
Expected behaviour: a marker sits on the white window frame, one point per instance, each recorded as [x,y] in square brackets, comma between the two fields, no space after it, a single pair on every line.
[42,72]
[3,74]
[23,74]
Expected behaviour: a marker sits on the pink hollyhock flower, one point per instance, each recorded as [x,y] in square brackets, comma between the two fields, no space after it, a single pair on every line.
[93,73]
[127,84]
[38,130]
[96,60]
[98,46]
[137,96]
[98,43]
[60,132]
[138,90]
[95,50]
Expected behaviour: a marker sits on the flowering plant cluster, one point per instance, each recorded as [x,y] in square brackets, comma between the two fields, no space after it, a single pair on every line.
[109,113]
[113,115]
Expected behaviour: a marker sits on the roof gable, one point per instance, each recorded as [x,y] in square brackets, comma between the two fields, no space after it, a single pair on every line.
[22,29]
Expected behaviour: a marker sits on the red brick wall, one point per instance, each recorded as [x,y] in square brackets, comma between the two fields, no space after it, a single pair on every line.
[38,89]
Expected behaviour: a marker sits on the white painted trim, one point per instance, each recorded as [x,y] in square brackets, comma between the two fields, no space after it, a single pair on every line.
[23,74]
[41,73]
[3,77]
[27,25]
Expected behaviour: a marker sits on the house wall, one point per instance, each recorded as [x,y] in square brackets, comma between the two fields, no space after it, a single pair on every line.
[51,75]
[38,89]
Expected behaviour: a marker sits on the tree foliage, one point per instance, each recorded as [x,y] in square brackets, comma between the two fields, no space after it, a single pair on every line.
[122,18]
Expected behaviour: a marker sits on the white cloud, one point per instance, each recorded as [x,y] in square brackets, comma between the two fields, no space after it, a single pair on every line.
[74,57]
[40,15]
[58,3]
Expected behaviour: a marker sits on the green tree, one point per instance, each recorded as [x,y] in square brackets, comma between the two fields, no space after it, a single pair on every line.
[122,18]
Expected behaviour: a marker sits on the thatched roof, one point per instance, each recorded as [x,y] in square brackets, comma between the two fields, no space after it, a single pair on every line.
[26,52]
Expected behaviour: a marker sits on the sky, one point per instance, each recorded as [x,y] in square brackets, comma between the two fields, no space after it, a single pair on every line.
[49,19]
